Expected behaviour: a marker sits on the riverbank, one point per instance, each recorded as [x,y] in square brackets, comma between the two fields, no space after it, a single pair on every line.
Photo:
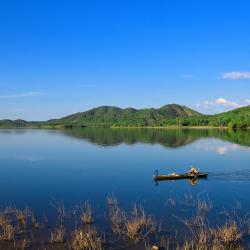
[61,126]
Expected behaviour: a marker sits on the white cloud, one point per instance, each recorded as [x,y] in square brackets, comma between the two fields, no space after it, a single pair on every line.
[225,102]
[221,104]
[20,95]
[236,75]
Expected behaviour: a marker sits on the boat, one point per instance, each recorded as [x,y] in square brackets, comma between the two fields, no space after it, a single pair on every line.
[174,176]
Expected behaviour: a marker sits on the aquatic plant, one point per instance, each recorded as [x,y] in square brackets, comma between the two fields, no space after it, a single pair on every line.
[22,216]
[6,228]
[22,244]
[86,215]
[58,235]
[135,225]
[34,222]
[112,201]
[229,233]
[61,211]
[89,240]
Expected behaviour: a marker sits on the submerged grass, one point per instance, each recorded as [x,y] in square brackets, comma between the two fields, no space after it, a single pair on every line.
[136,225]
[89,240]
[20,229]
[86,215]
[58,235]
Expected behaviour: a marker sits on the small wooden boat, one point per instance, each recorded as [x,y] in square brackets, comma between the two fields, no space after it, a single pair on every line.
[179,176]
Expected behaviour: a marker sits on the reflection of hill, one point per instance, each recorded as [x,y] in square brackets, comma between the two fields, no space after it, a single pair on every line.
[166,137]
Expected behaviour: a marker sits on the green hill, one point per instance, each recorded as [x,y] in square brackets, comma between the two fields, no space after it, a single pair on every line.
[238,118]
[168,115]
[113,116]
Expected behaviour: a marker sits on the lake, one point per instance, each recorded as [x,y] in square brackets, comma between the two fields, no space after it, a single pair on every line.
[43,168]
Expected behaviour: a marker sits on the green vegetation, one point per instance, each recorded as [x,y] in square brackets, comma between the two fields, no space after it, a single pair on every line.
[129,228]
[113,116]
[238,118]
[169,138]
[168,115]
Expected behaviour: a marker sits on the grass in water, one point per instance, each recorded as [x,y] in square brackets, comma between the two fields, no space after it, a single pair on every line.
[132,226]
[88,239]
[58,235]
[86,215]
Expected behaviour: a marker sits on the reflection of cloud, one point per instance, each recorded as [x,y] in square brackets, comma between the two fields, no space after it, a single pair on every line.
[30,158]
[221,150]
[219,147]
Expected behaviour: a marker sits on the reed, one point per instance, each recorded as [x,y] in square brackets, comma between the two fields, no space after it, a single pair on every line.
[58,235]
[6,228]
[22,244]
[118,218]
[135,225]
[139,225]
[89,240]
[112,201]
[61,211]
[86,215]
[34,222]
[22,216]
[229,233]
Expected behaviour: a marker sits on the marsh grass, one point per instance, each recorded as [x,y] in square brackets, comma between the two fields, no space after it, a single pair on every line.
[112,201]
[22,216]
[136,225]
[229,233]
[117,218]
[58,235]
[62,214]
[203,236]
[132,226]
[139,225]
[6,228]
[34,222]
[86,215]
[22,244]
[171,202]
[88,239]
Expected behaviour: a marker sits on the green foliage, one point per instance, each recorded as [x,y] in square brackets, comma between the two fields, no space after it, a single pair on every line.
[129,117]
[168,115]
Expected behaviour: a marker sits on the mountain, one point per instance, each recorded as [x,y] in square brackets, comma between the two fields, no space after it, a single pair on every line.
[108,115]
[237,118]
[13,123]
[168,115]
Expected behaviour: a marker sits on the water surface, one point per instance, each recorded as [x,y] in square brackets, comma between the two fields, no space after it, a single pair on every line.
[72,166]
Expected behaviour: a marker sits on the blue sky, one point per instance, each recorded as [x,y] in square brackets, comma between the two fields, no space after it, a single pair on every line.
[61,57]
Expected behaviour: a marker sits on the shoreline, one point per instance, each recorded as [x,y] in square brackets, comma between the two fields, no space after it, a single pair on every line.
[63,127]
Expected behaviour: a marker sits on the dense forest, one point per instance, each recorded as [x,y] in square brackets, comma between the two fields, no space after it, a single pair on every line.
[168,115]
[238,118]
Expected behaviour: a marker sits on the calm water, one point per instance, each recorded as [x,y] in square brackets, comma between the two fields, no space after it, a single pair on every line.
[73,166]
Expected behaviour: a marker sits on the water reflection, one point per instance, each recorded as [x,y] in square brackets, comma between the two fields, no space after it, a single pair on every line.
[170,138]
[191,181]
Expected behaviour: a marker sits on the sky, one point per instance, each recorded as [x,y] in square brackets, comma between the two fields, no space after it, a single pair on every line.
[60,57]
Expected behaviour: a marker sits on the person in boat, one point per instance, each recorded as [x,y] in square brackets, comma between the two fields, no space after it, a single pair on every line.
[193,171]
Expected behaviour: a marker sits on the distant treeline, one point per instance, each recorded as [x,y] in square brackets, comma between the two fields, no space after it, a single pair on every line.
[168,115]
